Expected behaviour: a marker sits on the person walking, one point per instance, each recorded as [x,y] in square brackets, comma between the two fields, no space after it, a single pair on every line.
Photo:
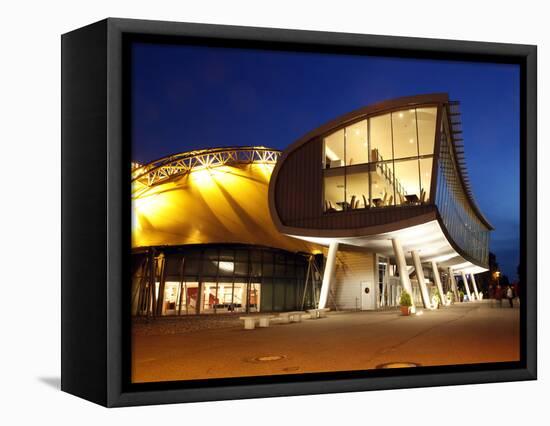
[510,296]
[498,296]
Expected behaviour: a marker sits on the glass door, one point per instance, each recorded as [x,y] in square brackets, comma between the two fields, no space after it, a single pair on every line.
[224,298]
[171,296]
[209,299]
[239,297]
[190,298]
[254,297]
[383,281]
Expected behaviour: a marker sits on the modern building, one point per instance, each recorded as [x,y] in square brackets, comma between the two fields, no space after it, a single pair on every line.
[203,240]
[390,181]
[348,216]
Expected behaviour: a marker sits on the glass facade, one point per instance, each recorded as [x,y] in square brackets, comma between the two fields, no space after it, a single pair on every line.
[458,216]
[217,279]
[381,161]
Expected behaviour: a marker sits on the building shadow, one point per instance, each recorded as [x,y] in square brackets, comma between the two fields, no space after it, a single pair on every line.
[54,382]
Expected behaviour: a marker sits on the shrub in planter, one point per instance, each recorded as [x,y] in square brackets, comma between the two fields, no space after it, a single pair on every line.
[406,302]
[436,300]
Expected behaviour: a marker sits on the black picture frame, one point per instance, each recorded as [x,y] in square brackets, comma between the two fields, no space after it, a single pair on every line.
[96,211]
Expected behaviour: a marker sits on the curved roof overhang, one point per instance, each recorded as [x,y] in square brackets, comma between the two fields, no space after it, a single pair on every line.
[429,239]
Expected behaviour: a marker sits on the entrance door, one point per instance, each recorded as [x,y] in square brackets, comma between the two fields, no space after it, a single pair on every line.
[367,296]
[209,300]
[254,297]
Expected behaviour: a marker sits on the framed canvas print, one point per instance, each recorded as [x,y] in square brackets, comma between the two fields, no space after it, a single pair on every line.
[254,212]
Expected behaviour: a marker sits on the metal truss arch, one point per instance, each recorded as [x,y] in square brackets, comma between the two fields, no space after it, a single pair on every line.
[165,168]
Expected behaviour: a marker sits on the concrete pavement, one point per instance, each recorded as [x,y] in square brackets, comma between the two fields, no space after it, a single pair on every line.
[461,334]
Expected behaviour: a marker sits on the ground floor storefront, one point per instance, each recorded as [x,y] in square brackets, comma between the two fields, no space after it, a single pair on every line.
[225,278]
[220,279]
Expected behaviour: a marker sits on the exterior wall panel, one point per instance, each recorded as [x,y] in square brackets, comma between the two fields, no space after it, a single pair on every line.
[353,265]
[298,192]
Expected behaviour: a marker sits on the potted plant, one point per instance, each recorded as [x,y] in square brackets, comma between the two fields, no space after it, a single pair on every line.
[436,300]
[405,302]
[461,296]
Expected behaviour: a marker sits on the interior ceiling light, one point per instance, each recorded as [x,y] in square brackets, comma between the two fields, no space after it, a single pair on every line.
[227,266]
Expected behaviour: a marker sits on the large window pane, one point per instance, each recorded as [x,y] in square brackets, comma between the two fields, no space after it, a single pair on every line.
[290,271]
[382,185]
[334,150]
[255,255]
[211,254]
[426,129]
[279,270]
[227,255]
[226,268]
[357,190]
[279,295]
[334,193]
[224,298]
[290,298]
[407,180]
[404,134]
[189,298]
[380,138]
[425,179]
[256,269]
[241,255]
[171,296]
[191,265]
[267,257]
[357,147]
[208,297]
[267,295]
[268,270]
[172,265]
[254,297]
[209,267]
[381,141]
[241,269]
[239,297]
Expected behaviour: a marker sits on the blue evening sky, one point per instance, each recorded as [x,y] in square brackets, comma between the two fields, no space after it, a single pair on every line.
[192,97]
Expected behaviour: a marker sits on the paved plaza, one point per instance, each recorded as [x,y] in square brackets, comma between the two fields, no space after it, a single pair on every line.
[465,333]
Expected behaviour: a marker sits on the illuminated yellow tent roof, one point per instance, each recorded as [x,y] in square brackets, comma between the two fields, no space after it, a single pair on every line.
[208,196]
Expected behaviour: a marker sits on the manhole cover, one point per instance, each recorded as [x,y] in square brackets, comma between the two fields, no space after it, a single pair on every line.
[269,358]
[291,369]
[398,365]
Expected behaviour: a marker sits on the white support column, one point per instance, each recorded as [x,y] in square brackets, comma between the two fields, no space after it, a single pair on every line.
[474,285]
[421,280]
[402,268]
[465,281]
[328,274]
[437,279]
[453,284]
[384,289]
